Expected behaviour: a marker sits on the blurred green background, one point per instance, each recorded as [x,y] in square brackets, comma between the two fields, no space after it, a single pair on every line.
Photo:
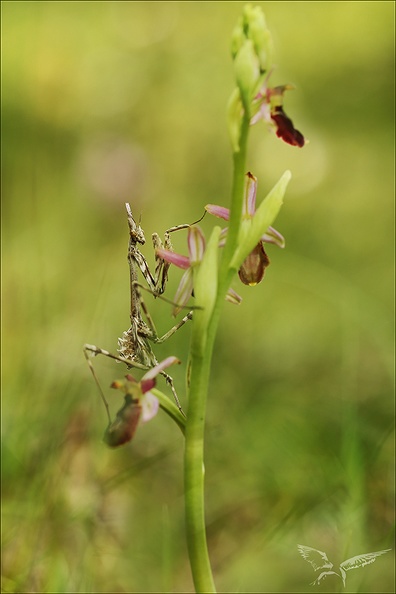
[111,102]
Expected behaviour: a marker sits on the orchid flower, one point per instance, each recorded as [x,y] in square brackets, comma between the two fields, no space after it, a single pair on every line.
[253,268]
[196,250]
[268,105]
[140,404]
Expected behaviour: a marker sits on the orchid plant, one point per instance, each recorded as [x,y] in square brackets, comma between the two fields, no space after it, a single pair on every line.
[210,267]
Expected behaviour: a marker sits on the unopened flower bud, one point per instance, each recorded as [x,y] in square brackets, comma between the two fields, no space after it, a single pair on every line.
[234,119]
[205,290]
[247,72]
[260,35]
[237,38]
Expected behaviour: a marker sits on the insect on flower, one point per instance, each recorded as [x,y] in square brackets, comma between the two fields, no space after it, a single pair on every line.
[135,349]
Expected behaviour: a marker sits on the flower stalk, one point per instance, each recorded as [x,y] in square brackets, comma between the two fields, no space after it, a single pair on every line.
[200,374]
[249,74]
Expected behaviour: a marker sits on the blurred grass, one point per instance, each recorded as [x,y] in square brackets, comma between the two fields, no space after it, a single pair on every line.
[108,102]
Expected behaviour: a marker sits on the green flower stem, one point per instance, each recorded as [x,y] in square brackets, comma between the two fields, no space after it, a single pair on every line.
[201,357]
[194,475]
[238,185]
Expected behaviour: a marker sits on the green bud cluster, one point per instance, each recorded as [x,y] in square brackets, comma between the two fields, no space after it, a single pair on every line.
[251,50]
